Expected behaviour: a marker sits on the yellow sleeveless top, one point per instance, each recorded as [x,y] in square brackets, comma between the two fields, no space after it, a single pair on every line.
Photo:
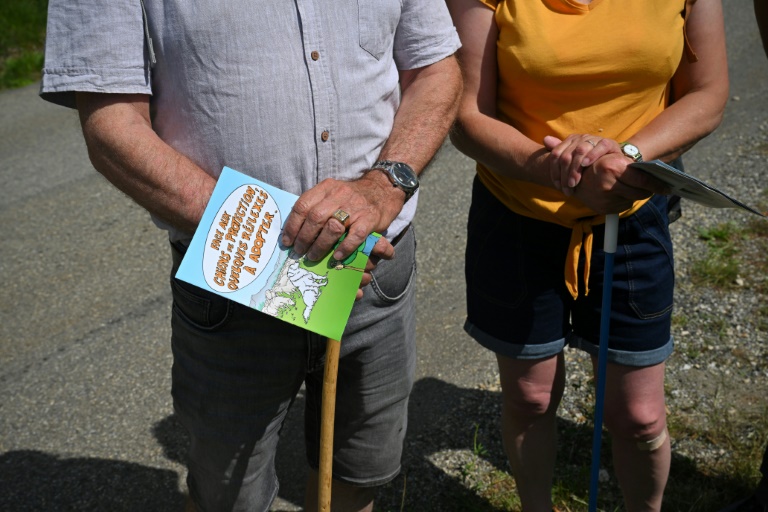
[565,67]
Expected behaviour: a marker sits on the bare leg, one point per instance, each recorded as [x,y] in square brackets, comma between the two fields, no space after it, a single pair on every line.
[344,497]
[531,393]
[635,415]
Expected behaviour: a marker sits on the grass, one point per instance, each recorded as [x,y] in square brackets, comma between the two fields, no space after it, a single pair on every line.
[21,41]
[736,440]
[730,248]
[720,267]
[731,427]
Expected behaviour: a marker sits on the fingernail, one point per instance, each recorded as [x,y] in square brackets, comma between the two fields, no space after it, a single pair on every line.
[571,182]
[285,240]
[586,163]
[338,255]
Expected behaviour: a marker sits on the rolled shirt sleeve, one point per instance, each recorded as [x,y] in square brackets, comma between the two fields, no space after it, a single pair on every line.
[94,46]
[424,35]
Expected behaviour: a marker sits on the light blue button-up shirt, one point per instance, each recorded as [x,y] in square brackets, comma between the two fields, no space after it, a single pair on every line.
[290,92]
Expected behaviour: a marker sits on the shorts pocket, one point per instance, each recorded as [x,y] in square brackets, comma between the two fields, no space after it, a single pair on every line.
[391,279]
[377,22]
[204,310]
[650,264]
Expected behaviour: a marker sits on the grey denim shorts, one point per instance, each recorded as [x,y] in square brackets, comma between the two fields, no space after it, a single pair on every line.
[236,372]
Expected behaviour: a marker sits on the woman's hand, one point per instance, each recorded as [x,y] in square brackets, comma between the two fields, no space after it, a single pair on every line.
[611,185]
[572,155]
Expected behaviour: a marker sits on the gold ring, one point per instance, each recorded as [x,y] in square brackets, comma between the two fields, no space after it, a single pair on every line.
[341,216]
[594,144]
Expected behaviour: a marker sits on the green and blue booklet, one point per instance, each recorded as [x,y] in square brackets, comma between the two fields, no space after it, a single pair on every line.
[236,253]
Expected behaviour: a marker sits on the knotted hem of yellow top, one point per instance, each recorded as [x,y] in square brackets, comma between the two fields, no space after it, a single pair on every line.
[581,237]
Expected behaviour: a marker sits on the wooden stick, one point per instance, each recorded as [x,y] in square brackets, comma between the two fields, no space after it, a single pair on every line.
[327,416]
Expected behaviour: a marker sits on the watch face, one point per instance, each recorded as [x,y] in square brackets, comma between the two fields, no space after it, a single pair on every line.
[630,150]
[405,176]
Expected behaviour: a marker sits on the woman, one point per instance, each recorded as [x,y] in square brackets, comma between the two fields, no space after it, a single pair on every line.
[560,97]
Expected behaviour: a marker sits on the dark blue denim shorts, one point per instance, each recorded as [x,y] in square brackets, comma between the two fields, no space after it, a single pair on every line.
[517,302]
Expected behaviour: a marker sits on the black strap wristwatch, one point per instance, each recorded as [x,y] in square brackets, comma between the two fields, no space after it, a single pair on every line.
[401,175]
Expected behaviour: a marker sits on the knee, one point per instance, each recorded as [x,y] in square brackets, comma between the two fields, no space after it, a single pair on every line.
[642,423]
[529,404]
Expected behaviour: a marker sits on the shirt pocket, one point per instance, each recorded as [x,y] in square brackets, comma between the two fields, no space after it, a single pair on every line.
[377,23]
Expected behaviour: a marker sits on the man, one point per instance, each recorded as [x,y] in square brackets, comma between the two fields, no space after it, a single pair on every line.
[342,102]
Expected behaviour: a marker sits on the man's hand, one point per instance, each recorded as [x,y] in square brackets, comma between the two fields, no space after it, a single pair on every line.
[371,202]
[430,97]
[369,266]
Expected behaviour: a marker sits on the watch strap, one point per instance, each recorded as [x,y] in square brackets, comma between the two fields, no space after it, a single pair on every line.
[634,155]
[387,167]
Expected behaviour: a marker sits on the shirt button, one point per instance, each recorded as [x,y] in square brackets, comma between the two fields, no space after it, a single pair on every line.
[325,136]
[315,55]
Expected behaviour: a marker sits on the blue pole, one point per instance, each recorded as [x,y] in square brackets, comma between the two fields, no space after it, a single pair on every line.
[611,236]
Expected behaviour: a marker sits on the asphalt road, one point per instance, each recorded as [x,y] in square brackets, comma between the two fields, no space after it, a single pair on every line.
[85,411]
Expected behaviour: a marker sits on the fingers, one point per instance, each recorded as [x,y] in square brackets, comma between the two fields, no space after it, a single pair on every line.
[329,234]
[618,199]
[630,193]
[551,142]
[305,222]
[312,230]
[370,265]
[311,227]
[571,155]
[383,250]
[610,186]
[365,281]
[642,180]
[600,148]
[565,167]
[356,235]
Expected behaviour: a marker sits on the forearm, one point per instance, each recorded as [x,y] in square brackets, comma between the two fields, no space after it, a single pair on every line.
[500,147]
[477,132]
[681,126]
[427,109]
[430,98]
[124,148]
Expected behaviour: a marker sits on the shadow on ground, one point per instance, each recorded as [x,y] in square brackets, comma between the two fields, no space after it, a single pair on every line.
[37,481]
[447,424]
